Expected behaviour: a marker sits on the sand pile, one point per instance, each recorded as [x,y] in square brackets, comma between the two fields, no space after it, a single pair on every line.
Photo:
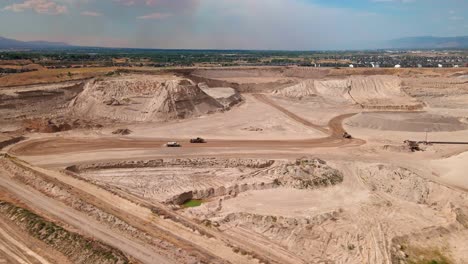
[329,90]
[307,173]
[375,92]
[143,98]
[381,92]
[227,96]
[334,90]
[449,93]
[300,90]
[412,122]
[396,181]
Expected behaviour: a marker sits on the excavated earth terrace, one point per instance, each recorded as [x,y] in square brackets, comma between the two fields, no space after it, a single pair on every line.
[300,165]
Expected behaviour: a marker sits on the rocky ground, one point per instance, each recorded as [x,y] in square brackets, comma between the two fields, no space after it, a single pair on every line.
[85,176]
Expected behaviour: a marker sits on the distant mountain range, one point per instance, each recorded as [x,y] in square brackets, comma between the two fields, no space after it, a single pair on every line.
[402,43]
[430,43]
[6,43]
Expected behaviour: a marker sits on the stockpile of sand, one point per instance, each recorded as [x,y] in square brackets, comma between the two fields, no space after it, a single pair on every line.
[412,122]
[307,173]
[334,90]
[329,90]
[381,92]
[227,96]
[300,90]
[143,98]
[375,92]
[450,93]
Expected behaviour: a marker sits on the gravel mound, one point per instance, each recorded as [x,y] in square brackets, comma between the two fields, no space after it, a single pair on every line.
[143,98]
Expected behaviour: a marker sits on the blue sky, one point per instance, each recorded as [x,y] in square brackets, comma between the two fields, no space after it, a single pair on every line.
[231,24]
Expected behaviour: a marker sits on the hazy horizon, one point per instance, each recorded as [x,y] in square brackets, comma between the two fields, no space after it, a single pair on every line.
[231,24]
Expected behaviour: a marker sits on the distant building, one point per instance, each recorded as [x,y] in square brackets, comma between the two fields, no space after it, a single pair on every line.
[419,66]
[398,66]
[440,66]
[351,66]
[456,66]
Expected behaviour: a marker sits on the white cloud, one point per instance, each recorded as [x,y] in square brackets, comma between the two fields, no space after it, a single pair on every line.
[39,6]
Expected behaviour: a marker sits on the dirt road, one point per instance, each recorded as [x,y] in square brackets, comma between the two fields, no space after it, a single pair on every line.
[80,221]
[60,145]
[264,99]
[13,249]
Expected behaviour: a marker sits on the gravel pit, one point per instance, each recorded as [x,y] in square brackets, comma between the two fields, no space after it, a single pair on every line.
[411,122]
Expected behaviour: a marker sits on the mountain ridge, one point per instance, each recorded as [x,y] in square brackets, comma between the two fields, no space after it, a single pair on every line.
[430,42]
[8,43]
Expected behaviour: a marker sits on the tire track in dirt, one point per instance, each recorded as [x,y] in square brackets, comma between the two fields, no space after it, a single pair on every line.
[264,99]
[62,145]
[79,220]
[15,249]
[216,246]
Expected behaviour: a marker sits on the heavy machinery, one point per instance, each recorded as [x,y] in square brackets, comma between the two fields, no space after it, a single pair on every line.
[412,145]
[197,140]
[173,145]
[346,135]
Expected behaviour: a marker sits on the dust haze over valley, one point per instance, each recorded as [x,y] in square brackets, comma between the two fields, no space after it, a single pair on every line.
[136,155]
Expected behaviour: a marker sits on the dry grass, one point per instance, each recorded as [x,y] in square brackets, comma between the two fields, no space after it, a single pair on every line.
[52,76]
[427,256]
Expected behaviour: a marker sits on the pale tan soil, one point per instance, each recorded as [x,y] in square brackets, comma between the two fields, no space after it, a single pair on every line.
[233,125]
[411,122]
[382,208]
[77,219]
[51,76]
[453,170]
[305,203]
[161,184]
[254,80]
[133,98]
[361,214]
[18,247]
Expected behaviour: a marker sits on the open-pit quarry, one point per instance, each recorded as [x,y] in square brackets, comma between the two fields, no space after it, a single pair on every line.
[300,165]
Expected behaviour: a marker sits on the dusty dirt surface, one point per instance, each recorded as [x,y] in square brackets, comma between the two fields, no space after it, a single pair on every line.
[18,247]
[275,182]
[133,98]
[46,76]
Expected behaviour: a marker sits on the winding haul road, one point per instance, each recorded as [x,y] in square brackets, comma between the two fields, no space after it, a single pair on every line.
[61,145]
[136,211]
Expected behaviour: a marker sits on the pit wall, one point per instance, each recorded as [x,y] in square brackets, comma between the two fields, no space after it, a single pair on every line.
[11,141]
[228,192]
[208,162]
[415,107]
[203,194]
[241,87]
[270,220]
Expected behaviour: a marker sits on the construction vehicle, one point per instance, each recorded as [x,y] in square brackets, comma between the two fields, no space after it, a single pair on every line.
[197,140]
[412,145]
[346,135]
[173,145]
